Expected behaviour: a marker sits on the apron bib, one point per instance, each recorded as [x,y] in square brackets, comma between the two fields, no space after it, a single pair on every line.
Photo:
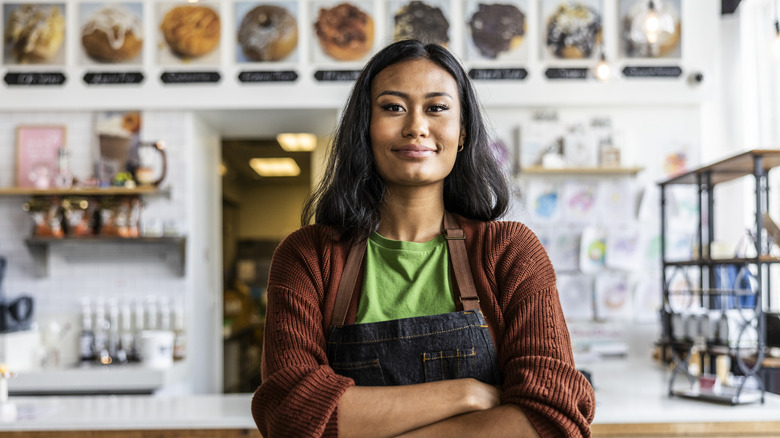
[419,349]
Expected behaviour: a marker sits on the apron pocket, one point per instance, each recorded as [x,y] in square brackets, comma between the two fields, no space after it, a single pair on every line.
[450,364]
[364,372]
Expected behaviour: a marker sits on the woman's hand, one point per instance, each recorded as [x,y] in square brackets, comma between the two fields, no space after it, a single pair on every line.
[383,411]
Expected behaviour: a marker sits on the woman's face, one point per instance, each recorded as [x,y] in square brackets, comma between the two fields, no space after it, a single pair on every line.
[415,126]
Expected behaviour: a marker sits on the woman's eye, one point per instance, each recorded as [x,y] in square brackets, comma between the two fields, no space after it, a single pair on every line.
[392,107]
[438,108]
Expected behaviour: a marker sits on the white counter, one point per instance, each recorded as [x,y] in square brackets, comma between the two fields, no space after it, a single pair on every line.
[630,395]
[129,412]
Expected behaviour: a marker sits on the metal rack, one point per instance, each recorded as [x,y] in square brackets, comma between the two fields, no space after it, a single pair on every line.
[680,349]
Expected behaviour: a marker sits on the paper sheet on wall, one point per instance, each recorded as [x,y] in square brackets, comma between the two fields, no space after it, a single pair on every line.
[592,249]
[576,293]
[539,134]
[616,201]
[578,202]
[544,201]
[613,299]
[647,297]
[565,248]
[624,248]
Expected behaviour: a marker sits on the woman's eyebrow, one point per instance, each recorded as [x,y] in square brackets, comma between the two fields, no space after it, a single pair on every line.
[403,95]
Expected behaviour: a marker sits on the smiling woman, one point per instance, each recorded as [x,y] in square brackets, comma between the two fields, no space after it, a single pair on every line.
[407,289]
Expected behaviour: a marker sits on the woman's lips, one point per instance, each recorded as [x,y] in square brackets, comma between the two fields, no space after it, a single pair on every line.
[414,151]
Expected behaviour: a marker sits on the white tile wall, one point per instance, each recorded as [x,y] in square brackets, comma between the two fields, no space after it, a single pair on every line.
[109,270]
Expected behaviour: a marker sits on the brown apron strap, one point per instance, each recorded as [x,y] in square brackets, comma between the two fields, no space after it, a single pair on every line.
[464,282]
[348,282]
[456,243]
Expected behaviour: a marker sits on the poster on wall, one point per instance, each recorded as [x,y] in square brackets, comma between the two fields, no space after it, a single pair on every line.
[343,31]
[496,30]
[189,34]
[37,150]
[266,31]
[570,29]
[111,33]
[34,33]
[576,293]
[428,21]
[650,31]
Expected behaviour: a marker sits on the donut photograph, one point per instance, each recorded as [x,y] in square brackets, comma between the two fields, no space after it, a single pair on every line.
[34,33]
[189,33]
[647,32]
[266,32]
[495,30]
[344,31]
[427,21]
[571,29]
[112,33]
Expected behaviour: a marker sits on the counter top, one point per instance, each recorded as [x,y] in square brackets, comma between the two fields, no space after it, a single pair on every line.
[630,396]
[131,412]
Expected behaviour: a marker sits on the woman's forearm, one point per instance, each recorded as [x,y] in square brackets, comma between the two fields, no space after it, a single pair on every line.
[384,411]
[499,422]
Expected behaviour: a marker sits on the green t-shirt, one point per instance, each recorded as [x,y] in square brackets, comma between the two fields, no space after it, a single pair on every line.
[405,279]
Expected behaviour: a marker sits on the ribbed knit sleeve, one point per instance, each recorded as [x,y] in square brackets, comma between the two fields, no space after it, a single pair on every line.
[534,348]
[300,392]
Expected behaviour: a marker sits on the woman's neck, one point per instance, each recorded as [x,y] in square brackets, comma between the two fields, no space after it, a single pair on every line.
[411,217]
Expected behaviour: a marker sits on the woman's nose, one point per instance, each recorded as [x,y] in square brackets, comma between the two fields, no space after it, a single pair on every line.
[415,124]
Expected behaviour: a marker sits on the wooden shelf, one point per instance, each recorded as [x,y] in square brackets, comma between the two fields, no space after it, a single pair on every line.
[92,191]
[728,261]
[39,248]
[539,170]
[730,168]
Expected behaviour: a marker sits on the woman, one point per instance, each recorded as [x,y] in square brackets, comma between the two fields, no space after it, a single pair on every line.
[407,310]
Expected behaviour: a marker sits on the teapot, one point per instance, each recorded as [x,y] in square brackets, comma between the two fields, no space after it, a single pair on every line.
[15,314]
[151,156]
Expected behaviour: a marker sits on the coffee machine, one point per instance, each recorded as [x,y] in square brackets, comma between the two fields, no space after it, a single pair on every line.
[15,314]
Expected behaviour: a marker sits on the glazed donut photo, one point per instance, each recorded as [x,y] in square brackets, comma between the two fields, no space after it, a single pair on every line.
[190,32]
[572,29]
[112,33]
[266,32]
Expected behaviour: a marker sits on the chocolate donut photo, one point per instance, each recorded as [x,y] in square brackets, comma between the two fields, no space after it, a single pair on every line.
[344,31]
[571,29]
[495,30]
[426,21]
[266,32]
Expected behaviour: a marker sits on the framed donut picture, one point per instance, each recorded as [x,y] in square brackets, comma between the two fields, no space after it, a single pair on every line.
[189,33]
[496,31]
[662,39]
[34,33]
[266,32]
[570,29]
[428,21]
[342,31]
[111,33]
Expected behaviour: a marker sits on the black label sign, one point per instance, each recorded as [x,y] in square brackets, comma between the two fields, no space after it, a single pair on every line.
[268,76]
[190,77]
[336,75]
[498,74]
[113,78]
[652,72]
[566,73]
[34,78]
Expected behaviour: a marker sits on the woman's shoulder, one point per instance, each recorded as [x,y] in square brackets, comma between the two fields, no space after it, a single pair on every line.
[511,232]
[309,239]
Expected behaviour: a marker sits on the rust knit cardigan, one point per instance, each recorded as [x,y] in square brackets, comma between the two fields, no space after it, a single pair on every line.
[516,284]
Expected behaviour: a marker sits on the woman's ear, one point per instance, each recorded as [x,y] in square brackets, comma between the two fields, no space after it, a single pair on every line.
[462,136]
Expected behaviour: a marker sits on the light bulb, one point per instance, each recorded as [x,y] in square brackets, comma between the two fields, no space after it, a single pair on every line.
[602,69]
[776,42]
[651,26]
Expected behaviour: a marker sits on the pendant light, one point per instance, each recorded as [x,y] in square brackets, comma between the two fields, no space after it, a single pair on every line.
[602,71]
[776,42]
[651,24]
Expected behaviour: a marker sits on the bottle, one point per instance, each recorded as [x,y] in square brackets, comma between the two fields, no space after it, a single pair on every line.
[179,331]
[126,337]
[113,332]
[87,336]
[101,333]
[139,318]
[63,179]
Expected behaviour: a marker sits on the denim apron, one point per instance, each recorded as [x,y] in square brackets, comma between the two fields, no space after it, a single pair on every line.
[419,349]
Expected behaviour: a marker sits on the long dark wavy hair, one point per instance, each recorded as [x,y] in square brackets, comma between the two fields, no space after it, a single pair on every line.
[351,191]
